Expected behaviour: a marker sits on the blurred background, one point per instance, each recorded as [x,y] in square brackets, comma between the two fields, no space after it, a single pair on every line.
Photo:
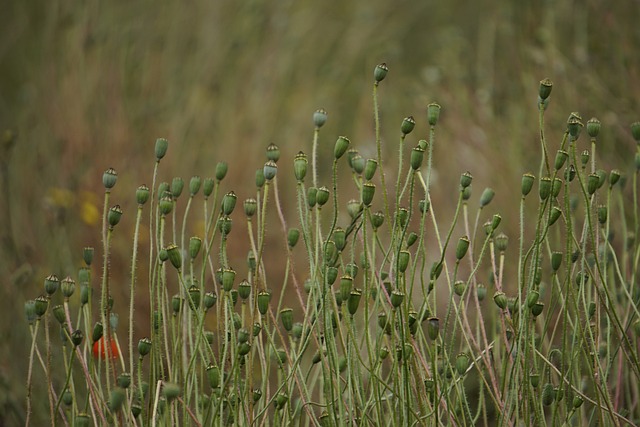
[88,85]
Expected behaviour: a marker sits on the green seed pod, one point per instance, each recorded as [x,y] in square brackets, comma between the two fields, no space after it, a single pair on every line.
[408,123]
[30,311]
[593,127]
[300,166]
[114,215]
[433,113]
[330,252]
[383,321]
[462,247]
[370,168]
[87,255]
[465,180]
[161,148]
[280,356]
[554,215]
[251,261]
[250,206]
[51,284]
[263,302]
[556,187]
[194,296]
[561,158]
[332,275]
[462,363]
[368,191]
[163,255]
[228,203]
[433,327]
[67,397]
[260,179]
[534,379]
[296,332]
[354,301]
[501,242]
[577,401]
[548,394]
[270,169]
[436,270]
[273,152]
[164,190]
[614,177]
[221,170]
[423,206]
[286,317]
[346,283]
[342,144]
[124,380]
[602,214]
[481,291]
[207,187]
[228,277]
[165,205]
[257,327]
[213,374]
[574,125]
[322,196]
[244,290]
[537,308]
[527,183]
[209,300]
[319,118]
[417,155]
[532,298]
[142,195]
[312,196]
[97,332]
[194,185]
[383,352]
[281,401]
[500,299]
[466,194]
[459,287]
[116,399]
[244,349]
[403,261]
[486,197]
[136,410]
[402,217]
[175,256]
[68,287]
[380,72]
[59,314]
[109,178]
[602,177]
[556,260]
[544,187]
[358,164]
[592,183]
[396,298]
[225,224]
[176,304]
[292,237]
[177,185]
[257,395]
[635,131]
[354,207]
[412,238]
[144,346]
[195,243]
[41,305]
[340,238]
[377,219]
[544,89]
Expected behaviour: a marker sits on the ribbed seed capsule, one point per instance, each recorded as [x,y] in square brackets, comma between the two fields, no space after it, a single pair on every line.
[346,283]
[221,170]
[403,261]
[195,243]
[417,155]
[229,203]
[614,177]
[377,219]
[175,257]
[408,123]
[433,113]
[462,247]
[142,195]
[300,166]
[144,346]
[68,287]
[161,148]
[177,185]
[500,299]
[433,327]
[207,187]
[368,191]
[319,118]
[51,284]
[194,185]
[165,205]
[260,178]
[544,187]
[264,298]
[213,374]
[544,90]
[486,197]
[370,168]
[250,206]
[358,163]
[286,317]
[209,300]
[602,214]
[322,196]
[354,207]
[380,72]
[584,157]
[228,277]
[548,394]
[556,187]
[273,152]
[114,215]
[554,215]
[561,158]
[109,178]
[396,298]
[269,171]
[537,308]
[459,287]
[465,180]
[354,301]
[342,144]
[462,363]
[501,242]
[592,183]
[292,237]
[556,260]
[527,183]
[59,314]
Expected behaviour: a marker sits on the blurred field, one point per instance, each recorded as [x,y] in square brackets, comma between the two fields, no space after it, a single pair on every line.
[89,85]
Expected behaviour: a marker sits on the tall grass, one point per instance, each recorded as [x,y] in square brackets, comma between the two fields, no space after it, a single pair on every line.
[382,311]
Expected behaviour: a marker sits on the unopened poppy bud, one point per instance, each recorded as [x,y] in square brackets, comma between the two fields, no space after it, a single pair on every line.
[322,196]
[486,197]
[459,287]
[501,242]
[177,185]
[292,237]
[544,187]
[368,191]
[319,118]
[377,219]
[465,180]
[68,287]
[500,299]
[269,171]
[462,363]
[161,148]
[635,131]
[114,215]
[228,277]
[593,127]
[286,317]
[174,255]
[433,327]
[380,72]
[264,298]
[408,123]
[273,153]
[396,298]
[144,346]
[342,144]
[109,178]
[544,89]
[403,261]
[300,166]
[527,183]
[221,170]
[207,187]
[592,183]
[165,205]
[433,113]
[51,284]
[59,314]
[417,155]
[229,203]
[370,168]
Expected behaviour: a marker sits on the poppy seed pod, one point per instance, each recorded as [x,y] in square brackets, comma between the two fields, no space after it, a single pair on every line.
[358,163]
[114,216]
[377,219]
[556,187]
[527,183]
[269,171]
[403,261]
[368,191]
[544,187]
[593,127]
[346,283]
[331,275]
[224,225]
[561,158]
[433,113]
[213,374]
[574,126]
[273,153]
[109,178]
[59,314]
[554,214]
[481,291]
[537,308]
[292,237]
[614,177]
[602,215]
[462,247]
[402,217]
[229,203]
[354,301]
[144,346]
[264,298]
[175,257]
[300,166]
[194,185]
[51,284]
[194,297]
[396,298]
[380,72]
[544,90]
[286,317]
[228,277]
[417,155]
[423,206]
[592,183]
[250,206]
[408,123]
[260,178]
[195,243]
[142,195]
[177,185]
[319,118]
[433,327]
[459,287]
[165,205]
[161,148]
[244,289]
[221,170]
[501,242]
[322,196]
[370,168]
[342,144]
[411,239]
[500,299]
[116,399]
[486,197]
[207,187]
[465,180]
[462,363]
[635,131]
[68,287]
[209,300]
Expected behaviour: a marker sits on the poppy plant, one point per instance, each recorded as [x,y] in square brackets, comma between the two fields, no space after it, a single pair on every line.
[100,349]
